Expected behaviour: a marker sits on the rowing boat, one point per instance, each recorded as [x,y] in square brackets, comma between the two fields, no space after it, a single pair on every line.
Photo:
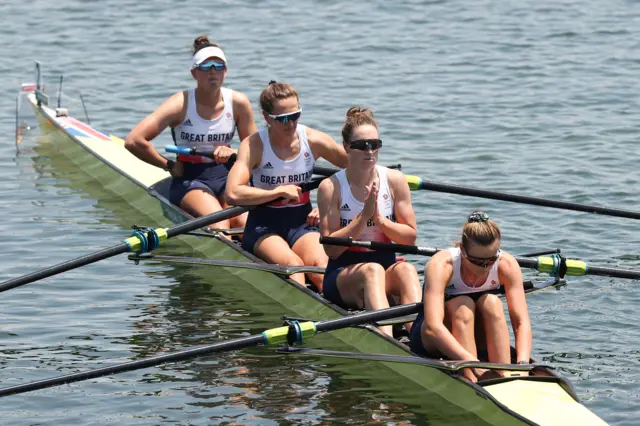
[543,398]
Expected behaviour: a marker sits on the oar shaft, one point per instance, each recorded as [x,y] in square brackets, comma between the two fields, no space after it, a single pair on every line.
[203,221]
[503,196]
[64,266]
[612,272]
[272,336]
[549,265]
[375,245]
[330,171]
[135,365]
[318,170]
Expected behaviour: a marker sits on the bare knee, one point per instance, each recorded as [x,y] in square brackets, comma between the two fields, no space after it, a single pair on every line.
[461,310]
[490,306]
[294,260]
[371,271]
[404,269]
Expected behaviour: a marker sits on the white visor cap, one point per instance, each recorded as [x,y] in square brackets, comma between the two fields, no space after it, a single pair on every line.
[209,51]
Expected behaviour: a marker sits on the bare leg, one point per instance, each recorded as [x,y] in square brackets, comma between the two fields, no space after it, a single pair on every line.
[460,316]
[460,313]
[363,285]
[273,249]
[198,203]
[402,282]
[237,221]
[491,313]
[309,249]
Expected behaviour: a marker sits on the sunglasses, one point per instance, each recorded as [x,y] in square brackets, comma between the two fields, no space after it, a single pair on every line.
[483,262]
[285,118]
[366,144]
[206,66]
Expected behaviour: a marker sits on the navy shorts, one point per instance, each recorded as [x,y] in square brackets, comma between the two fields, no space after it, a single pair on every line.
[210,177]
[348,258]
[290,223]
[415,338]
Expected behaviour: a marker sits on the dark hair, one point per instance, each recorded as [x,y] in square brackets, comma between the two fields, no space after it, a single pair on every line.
[201,42]
[356,116]
[480,230]
[274,92]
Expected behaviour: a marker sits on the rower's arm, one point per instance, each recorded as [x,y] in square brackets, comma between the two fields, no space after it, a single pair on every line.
[244,115]
[510,276]
[238,192]
[167,114]
[404,230]
[437,274]
[323,145]
[329,207]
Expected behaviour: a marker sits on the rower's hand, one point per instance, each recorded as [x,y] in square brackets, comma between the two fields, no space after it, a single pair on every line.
[313,218]
[221,154]
[378,218]
[177,170]
[371,203]
[290,192]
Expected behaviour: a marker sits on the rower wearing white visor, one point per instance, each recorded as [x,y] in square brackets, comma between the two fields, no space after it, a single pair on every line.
[278,159]
[366,201]
[205,118]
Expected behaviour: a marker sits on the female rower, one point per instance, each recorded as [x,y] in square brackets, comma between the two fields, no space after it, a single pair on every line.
[459,314]
[278,158]
[367,202]
[205,118]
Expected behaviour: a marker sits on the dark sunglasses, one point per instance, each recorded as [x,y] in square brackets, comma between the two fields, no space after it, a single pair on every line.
[206,66]
[285,118]
[366,144]
[483,262]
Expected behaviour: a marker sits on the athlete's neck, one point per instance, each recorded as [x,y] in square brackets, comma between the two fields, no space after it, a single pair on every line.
[286,140]
[208,96]
[361,177]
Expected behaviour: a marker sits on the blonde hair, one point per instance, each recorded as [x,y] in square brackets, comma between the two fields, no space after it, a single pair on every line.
[480,230]
[274,92]
[356,116]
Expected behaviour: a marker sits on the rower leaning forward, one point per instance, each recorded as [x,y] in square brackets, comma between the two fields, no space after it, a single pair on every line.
[462,317]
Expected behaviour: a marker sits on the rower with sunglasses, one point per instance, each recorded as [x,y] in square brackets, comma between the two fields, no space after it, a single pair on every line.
[366,201]
[461,314]
[277,160]
[205,118]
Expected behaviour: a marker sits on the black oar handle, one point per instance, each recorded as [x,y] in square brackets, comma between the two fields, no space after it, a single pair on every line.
[317,170]
[330,171]
[375,245]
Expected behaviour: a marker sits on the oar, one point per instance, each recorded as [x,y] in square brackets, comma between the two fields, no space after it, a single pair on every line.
[141,242]
[276,269]
[553,265]
[529,287]
[417,183]
[193,151]
[317,170]
[408,359]
[294,333]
